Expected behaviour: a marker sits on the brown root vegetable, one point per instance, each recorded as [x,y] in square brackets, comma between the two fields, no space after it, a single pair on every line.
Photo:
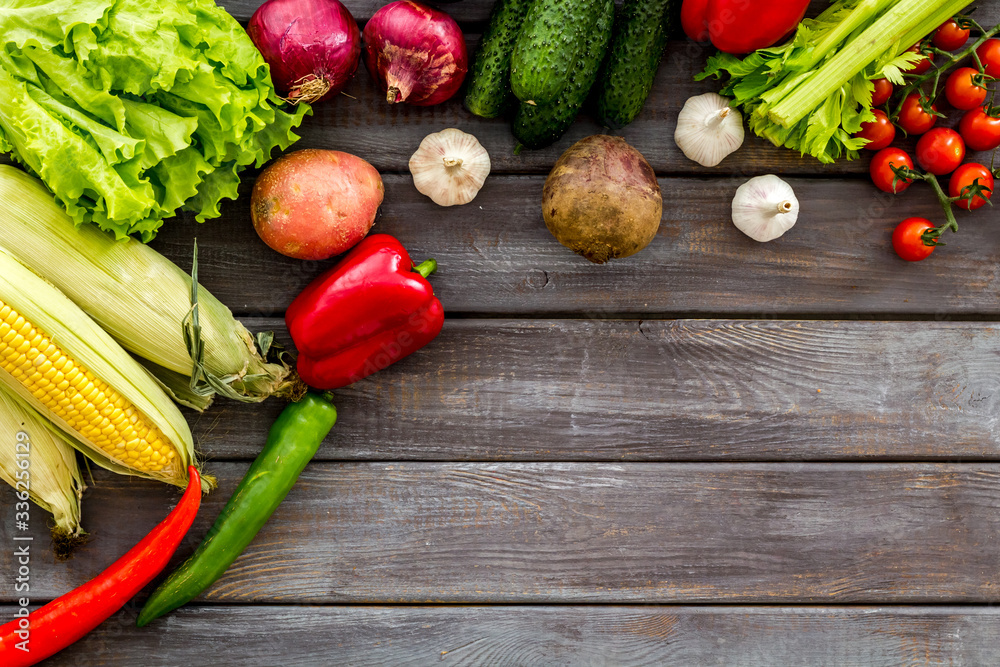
[314,204]
[602,200]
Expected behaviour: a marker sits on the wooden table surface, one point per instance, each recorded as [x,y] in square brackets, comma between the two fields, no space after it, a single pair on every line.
[713,452]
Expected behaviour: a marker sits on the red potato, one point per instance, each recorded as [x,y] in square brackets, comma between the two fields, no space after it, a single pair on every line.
[314,204]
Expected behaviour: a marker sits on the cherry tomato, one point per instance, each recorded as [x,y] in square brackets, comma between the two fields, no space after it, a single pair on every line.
[940,151]
[924,64]
[950,37]
[989,55]
[962,91]
[879,132]
[881,170]
[883,91]
[965,176]
[907,241]
[980,130]
[912,117]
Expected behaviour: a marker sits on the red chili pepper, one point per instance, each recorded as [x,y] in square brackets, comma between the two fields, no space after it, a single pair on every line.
[48,630]
[370,310]
[741,26]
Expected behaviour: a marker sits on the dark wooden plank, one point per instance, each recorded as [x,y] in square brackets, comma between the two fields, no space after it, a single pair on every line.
[478,11]
[464,11]
[500,390]
[580,533]
[362,123]
[496,256]
[549,636]
[387,135]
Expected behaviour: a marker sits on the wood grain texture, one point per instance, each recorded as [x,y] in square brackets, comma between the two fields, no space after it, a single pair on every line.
[464,11]
[362,123]
[386,135]
[495,256]
[653,390]
[566,462]
[478,11]
[372,533]
[547,636]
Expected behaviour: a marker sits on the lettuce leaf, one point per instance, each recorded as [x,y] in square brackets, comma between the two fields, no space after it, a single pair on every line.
[131,110]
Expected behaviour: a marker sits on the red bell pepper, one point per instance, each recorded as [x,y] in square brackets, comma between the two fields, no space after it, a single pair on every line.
[741,26]
[694,19]
[370,310]
[48,630]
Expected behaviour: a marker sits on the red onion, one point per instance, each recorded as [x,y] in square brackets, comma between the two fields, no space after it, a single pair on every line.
[416,53]
[312,46]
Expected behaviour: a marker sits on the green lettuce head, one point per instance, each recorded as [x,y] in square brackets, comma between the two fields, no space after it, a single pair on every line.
[129,110]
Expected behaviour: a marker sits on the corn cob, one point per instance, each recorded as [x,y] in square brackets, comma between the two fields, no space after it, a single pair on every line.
[137,295]
[67,368]
[53,477]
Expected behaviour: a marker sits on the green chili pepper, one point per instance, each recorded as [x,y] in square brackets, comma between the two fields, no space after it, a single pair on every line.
[294,438]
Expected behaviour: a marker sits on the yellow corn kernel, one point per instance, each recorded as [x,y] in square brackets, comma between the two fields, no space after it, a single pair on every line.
[96,411]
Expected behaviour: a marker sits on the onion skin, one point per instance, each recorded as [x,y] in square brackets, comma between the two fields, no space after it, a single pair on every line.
[312,46]
[416,53]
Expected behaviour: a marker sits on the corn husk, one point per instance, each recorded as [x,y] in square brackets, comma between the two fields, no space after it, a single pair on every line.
[138,296]
[53,479]
[51,312]
[177,386]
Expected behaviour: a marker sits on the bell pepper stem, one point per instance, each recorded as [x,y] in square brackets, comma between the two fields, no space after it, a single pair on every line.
[426,268]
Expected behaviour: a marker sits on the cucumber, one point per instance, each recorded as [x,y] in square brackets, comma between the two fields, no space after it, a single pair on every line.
[538,126]
[489,93]
[640,36]
[549,46]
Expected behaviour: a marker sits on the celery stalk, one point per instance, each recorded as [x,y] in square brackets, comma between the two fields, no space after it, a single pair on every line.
[921,31]
[906,18]
[813,93]
[859,15]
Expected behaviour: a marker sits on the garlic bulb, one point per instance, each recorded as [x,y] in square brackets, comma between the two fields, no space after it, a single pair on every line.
[708,129]
[450,167]
[765,207]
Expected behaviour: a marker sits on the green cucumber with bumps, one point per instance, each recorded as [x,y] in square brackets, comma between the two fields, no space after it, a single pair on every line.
[489,93]
[640,37]
[550,44]
[537,126]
